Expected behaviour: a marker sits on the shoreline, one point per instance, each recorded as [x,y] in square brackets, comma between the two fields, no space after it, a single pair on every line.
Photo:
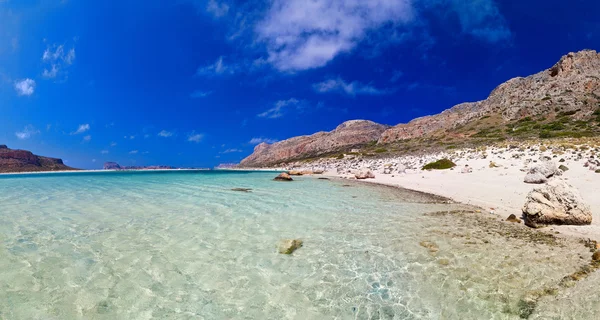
[494,183]
[94,171]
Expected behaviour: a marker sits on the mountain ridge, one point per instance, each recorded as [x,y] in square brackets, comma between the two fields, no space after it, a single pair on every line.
[561,101]
[12,161]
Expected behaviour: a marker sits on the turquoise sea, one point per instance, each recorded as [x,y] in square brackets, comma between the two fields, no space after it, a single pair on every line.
[183,245]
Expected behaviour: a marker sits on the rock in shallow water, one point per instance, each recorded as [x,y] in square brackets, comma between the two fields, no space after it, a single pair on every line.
[283,177]
[513,218]
[288,246]
[556,203]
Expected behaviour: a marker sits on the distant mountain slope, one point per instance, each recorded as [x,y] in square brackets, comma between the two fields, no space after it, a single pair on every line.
[348,134]
[571,87]
[562,101]
[25,161]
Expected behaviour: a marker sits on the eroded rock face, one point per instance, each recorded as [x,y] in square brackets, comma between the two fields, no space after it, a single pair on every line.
[346,135]
[25,161]
[573,80]
[556,203]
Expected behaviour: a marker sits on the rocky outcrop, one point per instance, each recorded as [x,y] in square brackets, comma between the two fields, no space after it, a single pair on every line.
[25,161]
[570,86]
[347,135]
[556,203]
[111,166]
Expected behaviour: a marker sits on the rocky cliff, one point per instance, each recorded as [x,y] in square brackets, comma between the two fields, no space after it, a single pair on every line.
[571,86]
[562,101]
[345,136]
[25,161]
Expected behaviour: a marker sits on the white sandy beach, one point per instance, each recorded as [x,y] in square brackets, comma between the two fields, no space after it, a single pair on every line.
[498,190]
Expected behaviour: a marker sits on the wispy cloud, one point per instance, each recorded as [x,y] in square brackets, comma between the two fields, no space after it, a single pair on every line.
[261,140]
[279,109]
[217,9]
[302,35]
[57,59]
[200,94]
[113,144]
[27,132]
[195,137]
[232,151]
[354,88]
[217,68]
[82,128]
[481,19]
[25,87]
[396,75]
[133,152]
[87,138]
[165,134]
[104,152]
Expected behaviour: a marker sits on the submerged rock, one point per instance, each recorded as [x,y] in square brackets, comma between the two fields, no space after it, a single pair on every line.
[283,177]
[556,203]
[242,189]
[288,246]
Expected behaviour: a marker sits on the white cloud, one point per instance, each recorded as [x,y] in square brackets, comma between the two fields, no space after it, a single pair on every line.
[217,9]
[301,34]
[278,109]
[57,59]
[27,132]
[104,152]
[53,53]
[232,151]
[133,152]
[200,94]
[261,140]
[25,87]
[82,128]
[165,134]
[195,137]
[87,138]
[217,68]
[352,89]
[93,160]
[52,73]
[113,144]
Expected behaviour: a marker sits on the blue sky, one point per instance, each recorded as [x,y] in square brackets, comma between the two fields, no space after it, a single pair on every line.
[198,83]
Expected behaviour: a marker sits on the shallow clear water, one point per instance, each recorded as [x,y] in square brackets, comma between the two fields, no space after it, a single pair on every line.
[183,245]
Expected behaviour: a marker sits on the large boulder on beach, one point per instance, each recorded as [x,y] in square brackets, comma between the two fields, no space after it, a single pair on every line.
[364,174]
[542,172]
[556,203]
[283,177]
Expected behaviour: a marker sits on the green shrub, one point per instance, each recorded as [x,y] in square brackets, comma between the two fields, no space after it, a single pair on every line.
[440,165]
[381,150]
[340,156]
[546,98]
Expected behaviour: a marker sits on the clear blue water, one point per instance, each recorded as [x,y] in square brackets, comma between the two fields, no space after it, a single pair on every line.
[183,245]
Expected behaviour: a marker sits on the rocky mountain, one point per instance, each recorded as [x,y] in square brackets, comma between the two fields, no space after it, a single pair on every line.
[347,135]
[571,87]
[25,161]
[562,101]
